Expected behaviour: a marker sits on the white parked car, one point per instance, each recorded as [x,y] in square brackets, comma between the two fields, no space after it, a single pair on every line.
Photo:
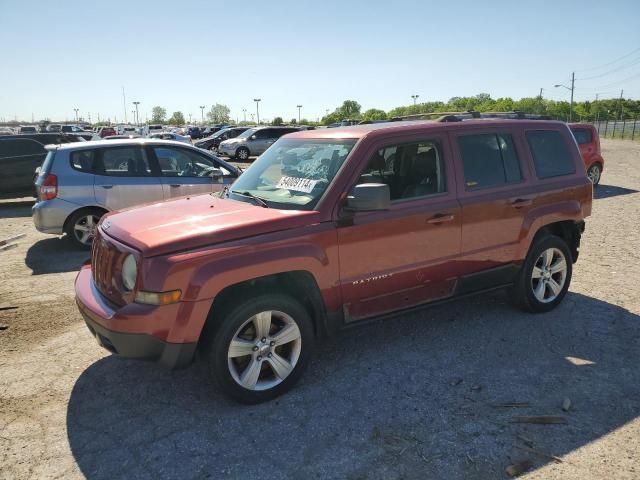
[171,136]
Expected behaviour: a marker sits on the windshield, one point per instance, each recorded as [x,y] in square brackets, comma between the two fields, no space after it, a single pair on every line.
[246,133]
[294,173]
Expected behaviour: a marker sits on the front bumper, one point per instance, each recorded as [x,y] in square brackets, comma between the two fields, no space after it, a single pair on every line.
[228,150]
[49,215]
[124,331]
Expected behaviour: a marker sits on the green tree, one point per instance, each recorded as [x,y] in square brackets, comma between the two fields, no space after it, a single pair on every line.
[177,118]
[293,121]
[277,121]
[374,114]
[158,114]
[218,114]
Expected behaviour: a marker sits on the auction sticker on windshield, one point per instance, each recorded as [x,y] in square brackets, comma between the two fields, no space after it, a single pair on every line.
[305,185]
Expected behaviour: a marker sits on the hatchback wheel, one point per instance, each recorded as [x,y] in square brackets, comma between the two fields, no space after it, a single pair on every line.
[545,275]
[261,348]
[242,154]
[82,227]
[594,174]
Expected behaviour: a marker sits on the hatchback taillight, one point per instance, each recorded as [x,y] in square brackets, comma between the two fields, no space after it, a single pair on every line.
[49,187]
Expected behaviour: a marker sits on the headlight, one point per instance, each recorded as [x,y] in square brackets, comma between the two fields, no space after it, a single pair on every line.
[129,272]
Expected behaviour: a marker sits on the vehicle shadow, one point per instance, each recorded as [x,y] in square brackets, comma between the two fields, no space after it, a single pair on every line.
[606,191]
[55,255]
[413,397]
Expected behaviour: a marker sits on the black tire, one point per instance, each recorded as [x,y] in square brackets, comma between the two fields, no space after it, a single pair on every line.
[594,173]
[522,293]
[242,153]
[231,320]
[75,218]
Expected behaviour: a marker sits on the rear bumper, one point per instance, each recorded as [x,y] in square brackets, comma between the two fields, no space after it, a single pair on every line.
[101,318]
[49,215]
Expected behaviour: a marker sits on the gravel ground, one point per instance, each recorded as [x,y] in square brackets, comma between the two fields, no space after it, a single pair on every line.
[415,397]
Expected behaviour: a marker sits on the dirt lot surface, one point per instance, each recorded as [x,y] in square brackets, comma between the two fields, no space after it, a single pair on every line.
[415,397]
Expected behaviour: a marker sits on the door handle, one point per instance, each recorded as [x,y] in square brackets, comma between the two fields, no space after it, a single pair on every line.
[175,185]
[521,202]
[441,218]
[107,186]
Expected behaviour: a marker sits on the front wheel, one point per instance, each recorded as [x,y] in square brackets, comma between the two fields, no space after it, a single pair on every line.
[242,154]
[594,174]
[545,275]
[261,348]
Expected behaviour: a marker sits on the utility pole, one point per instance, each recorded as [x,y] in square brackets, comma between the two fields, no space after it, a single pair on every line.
[137,114]
[597,107]
[621,92]
[415,97]
[202,113]
[244,112]
[189,119]
[76,110]
[299,107]
[573,80]
[124,105]
[540,94]
[257,100]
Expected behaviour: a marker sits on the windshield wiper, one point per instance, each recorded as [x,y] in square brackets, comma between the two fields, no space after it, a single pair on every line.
[258,200]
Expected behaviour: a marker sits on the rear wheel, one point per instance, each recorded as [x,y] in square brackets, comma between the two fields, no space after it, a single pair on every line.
[82,225]
[594,174]
[242,154]
[545,275]
[261,348]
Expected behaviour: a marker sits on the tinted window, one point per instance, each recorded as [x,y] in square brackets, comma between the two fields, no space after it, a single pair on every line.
[411,170]
[583,135]
[18,147]
[551,155]
[83,160]
[180,162]
[122,162]
[488,160]
[265,133]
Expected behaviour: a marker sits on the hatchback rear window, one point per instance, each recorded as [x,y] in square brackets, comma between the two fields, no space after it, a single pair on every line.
[489,160]
[551,155]
[583,135]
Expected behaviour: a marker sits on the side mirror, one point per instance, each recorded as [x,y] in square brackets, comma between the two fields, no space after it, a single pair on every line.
[369,197]
[216,173]
[253,137]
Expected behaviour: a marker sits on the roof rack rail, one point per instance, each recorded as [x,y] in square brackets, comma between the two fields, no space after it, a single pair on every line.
[469,115]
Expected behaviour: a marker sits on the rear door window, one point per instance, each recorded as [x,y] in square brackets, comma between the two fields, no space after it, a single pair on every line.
[489,160]
[83,160]
[551,154]
[582,135]
[123,162]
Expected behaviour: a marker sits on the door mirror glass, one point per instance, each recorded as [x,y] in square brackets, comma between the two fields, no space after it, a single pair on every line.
[253,137]
[216,173]
[369,197]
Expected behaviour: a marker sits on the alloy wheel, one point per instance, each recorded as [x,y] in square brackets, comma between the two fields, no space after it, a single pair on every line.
[264,350]
[594,174]
[85,228]
[549,275]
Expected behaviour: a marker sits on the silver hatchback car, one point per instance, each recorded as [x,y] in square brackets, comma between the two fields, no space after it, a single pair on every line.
[80,182]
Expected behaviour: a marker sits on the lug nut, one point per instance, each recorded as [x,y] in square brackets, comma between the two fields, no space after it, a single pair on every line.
[255,349]
[264,340]
[272,343]
[259,358]
[269,355]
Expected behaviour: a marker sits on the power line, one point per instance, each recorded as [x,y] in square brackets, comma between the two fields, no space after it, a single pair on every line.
[610,63]
[619,81]
[635,61]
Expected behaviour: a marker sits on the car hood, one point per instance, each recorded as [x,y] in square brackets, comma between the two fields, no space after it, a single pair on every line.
[198,221]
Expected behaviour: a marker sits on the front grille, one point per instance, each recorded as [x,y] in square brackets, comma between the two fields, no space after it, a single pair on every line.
[106,261]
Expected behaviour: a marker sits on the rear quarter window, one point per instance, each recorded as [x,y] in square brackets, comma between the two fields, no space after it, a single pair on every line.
[582,135]
[551,154]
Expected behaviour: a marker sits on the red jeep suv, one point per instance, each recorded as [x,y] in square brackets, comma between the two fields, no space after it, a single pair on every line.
[331,227]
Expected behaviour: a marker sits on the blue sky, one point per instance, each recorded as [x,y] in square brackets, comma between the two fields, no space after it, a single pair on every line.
[58,56]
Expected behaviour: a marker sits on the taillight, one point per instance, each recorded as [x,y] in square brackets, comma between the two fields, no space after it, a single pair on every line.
[49,187]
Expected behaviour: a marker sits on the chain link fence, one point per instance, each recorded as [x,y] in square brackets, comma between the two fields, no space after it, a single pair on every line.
[622,129]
